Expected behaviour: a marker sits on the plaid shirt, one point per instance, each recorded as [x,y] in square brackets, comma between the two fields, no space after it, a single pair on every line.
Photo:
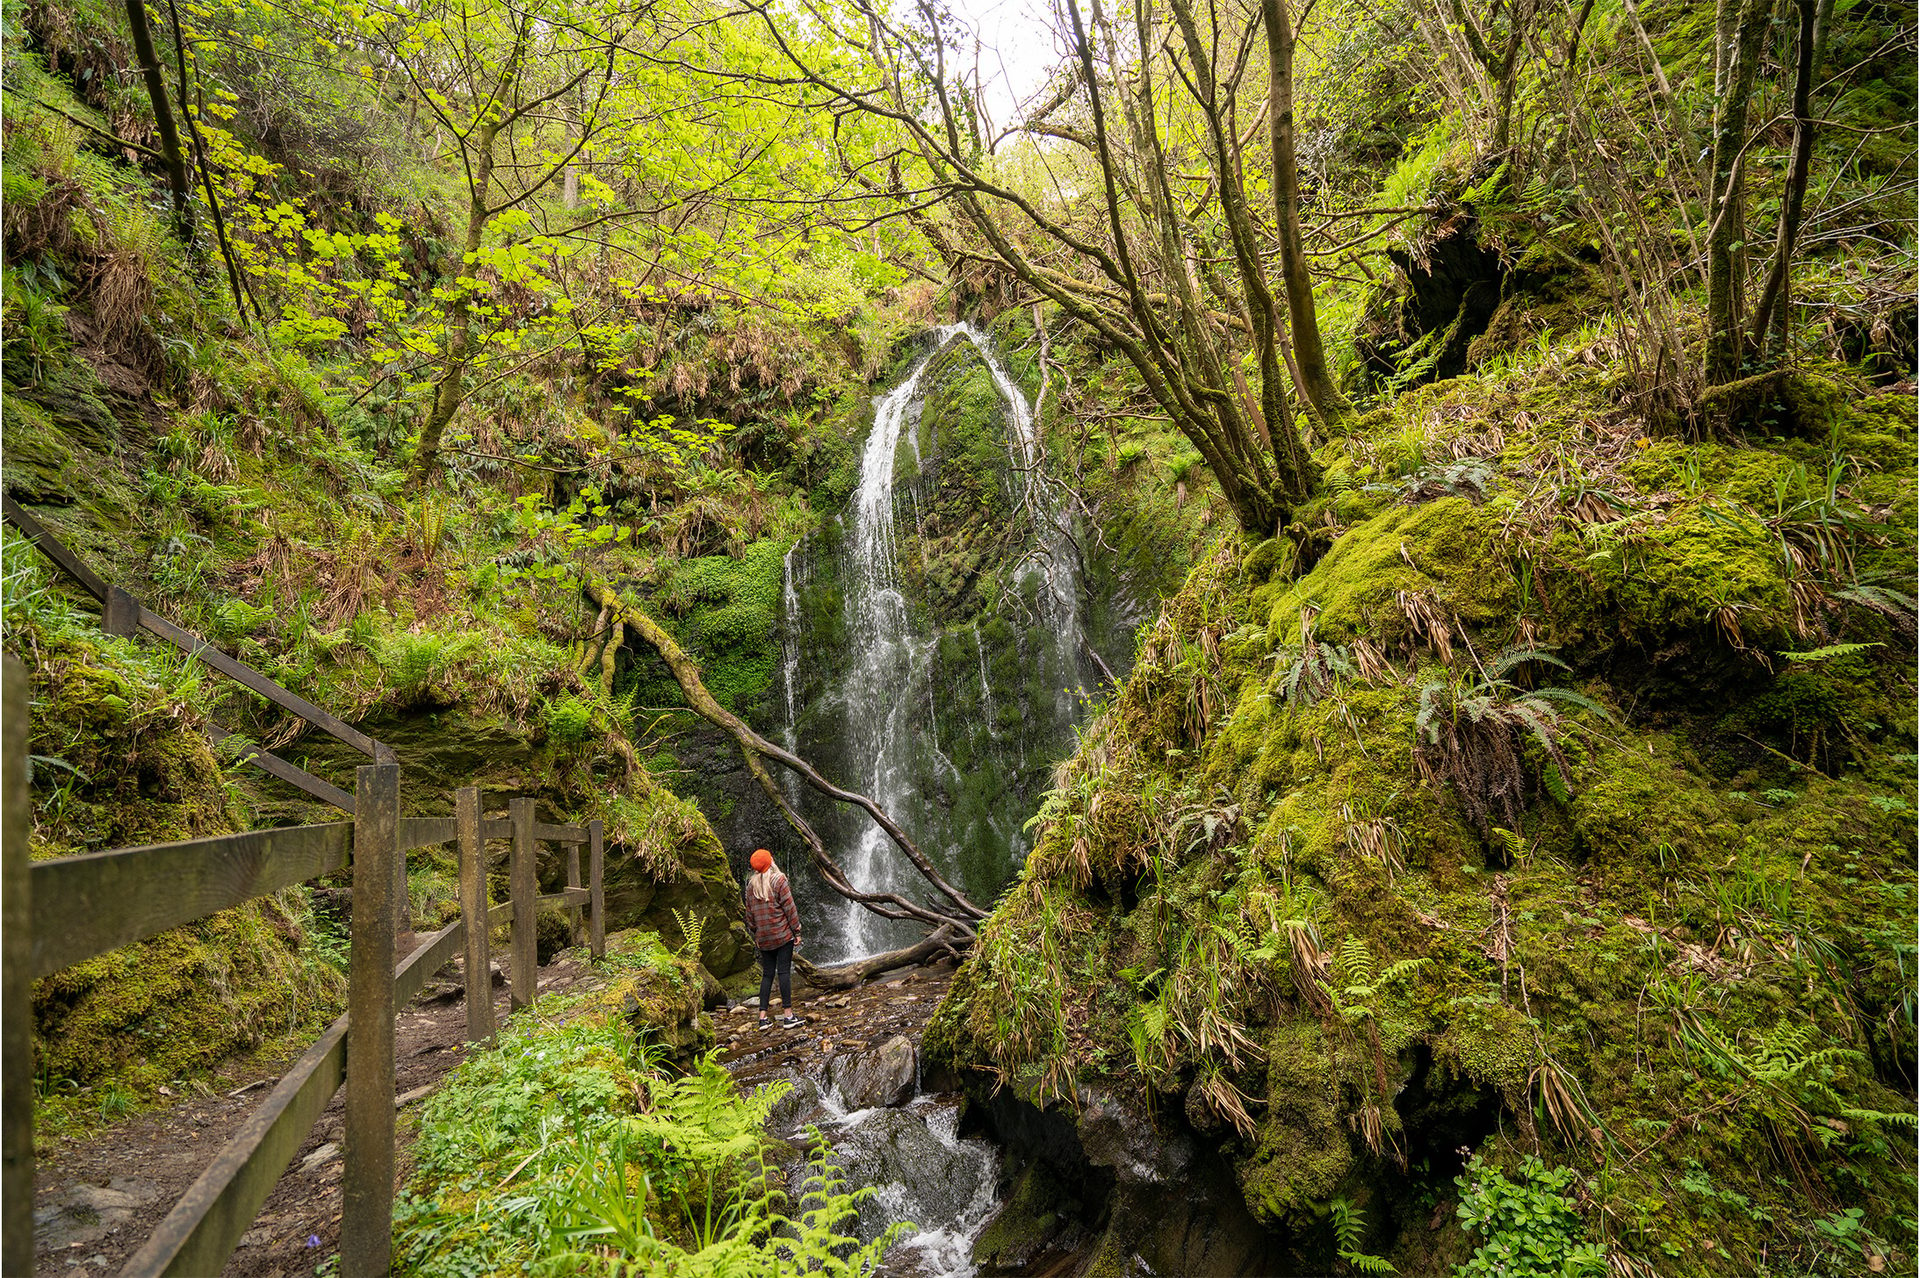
[773,921]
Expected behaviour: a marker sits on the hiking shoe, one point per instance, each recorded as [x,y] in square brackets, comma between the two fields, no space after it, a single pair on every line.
[766,1022]
[790,1021]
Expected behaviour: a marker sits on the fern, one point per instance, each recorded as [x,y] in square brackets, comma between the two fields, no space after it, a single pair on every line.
[1830,652]
[1349,1231]
[692,926]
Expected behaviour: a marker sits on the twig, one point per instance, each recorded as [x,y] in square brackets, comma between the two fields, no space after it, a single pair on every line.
[94,128]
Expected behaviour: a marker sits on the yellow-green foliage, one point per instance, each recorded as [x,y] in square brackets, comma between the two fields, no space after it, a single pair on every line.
[1687,970]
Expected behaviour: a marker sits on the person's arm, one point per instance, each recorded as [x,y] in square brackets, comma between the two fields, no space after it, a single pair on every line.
[792,913]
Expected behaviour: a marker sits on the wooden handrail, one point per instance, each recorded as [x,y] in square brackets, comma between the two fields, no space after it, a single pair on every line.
[98,901]
[94,902]
[124,611]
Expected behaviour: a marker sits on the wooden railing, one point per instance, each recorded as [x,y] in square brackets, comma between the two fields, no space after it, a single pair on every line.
[122,614]
[59,912]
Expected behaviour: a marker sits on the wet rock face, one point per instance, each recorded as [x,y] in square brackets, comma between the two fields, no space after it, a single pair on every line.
[879,1077]
[1122,1136]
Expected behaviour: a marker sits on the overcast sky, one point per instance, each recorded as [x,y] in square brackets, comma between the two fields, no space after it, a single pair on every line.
[1017,50]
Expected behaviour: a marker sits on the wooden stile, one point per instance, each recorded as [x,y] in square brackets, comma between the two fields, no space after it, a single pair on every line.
[473,908]
[596,893]
[16,993]
[525,886]
[366,1227]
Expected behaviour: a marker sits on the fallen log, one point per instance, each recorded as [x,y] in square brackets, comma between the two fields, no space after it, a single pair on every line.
[844,976]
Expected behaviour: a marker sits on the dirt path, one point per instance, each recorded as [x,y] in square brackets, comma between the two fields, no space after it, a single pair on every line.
[96,1201]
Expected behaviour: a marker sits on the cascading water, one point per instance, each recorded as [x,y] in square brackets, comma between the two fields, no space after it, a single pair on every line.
[885,650]
[892,706]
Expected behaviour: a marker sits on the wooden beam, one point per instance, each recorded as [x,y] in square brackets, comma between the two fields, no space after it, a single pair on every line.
[89,904]
[366,1227]
[51,546]
[524,886]
[496,828]
[246,676]
[186,640]
[122,613]
[299,778]
[473,905]
[16,980]
[559,833]
[428,957]
[427,832]
[206,1223]
[596,893]
[573,881]
[503,912]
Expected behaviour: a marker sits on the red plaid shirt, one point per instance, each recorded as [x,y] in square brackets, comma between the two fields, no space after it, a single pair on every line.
[773,921]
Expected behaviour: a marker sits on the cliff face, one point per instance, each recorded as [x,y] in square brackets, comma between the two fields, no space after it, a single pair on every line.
[1547,789]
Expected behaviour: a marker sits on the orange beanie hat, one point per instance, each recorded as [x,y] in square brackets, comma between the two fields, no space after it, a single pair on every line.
[761,860]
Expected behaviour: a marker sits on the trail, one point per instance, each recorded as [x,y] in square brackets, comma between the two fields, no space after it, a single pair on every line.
[96,1200]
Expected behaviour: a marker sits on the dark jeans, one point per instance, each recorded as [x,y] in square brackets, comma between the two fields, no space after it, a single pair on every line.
[781,961]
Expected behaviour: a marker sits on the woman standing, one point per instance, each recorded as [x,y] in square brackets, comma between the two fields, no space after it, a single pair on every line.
[775,925]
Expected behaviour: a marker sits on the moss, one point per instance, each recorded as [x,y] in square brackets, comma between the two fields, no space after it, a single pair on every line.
[723,609]
[1302,1149]
[175,1005]
[1450,549]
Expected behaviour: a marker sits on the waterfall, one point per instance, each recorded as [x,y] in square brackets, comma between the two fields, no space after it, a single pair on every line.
[1053,559]
[789,662]
[986,688]
[885,652]
[892,721]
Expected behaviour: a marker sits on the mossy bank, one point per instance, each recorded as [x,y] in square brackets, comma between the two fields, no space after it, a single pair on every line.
[1545,789]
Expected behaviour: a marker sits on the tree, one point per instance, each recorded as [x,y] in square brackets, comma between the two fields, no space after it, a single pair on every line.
[1740,30]
[1810,43]
[1176,283]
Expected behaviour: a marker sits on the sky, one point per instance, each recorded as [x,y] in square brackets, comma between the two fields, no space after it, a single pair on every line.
[1017,50]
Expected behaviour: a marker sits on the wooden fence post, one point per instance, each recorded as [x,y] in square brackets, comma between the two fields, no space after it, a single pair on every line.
[573,881]
[596,895]
[16,989]
[473,912]
[366,1225]
[525,886]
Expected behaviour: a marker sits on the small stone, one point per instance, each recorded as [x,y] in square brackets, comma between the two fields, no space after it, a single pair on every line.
[319,1156]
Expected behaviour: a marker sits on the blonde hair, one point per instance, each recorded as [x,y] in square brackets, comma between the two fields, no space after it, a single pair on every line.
[760,883]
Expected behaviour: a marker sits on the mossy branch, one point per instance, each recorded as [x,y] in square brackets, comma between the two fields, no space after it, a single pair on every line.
[686,672]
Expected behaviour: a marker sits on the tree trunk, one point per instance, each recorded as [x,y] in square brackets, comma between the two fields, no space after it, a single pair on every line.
[687,674]
[176,164]
[1741,27]
[451,390]
[1773,295]
[845,976]
[1317,387]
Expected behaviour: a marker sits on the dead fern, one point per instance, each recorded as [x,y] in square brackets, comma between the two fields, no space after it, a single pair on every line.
[1472,735]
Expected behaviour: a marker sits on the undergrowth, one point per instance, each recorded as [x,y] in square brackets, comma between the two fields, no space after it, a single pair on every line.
[569,1147]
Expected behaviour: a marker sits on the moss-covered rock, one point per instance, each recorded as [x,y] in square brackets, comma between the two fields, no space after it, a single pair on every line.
[1250,901]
